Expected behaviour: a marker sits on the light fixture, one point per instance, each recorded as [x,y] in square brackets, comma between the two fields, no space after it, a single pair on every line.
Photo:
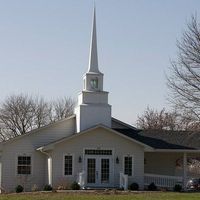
[117,160]
[79,159]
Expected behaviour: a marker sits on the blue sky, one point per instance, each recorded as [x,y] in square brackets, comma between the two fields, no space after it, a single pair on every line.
[44,48]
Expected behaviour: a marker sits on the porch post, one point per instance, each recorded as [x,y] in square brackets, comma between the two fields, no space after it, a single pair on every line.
[184,170]
[50,170]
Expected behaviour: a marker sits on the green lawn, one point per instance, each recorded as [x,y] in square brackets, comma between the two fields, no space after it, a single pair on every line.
[78,196]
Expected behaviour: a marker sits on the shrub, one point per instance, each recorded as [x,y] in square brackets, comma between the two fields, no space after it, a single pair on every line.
[34,188]
[48,188]
[60,187]
[19,189]
[133,186]
[75,186]
[63,184]
[177,188]
[152,187]
[121,188]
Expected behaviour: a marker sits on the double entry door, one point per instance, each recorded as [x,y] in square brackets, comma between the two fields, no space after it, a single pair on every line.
[99,171]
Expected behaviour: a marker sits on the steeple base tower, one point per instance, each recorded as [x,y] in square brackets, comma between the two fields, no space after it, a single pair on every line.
[89,115]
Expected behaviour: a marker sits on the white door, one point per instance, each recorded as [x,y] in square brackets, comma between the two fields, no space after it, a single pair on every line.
[98,171]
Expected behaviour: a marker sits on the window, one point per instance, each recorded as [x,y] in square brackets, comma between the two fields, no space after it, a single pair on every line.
[68,165]
[128,165]
[94,83]
[98,152]
[24,165]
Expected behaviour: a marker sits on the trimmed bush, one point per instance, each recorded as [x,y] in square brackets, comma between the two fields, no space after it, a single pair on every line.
[34,188]
[75,186]
[60,187]
[152,187]
[177,188]
[133,186]
[19,189]
[63,184]
[48,188]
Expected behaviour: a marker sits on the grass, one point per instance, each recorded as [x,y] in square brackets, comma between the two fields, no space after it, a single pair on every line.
[92,196]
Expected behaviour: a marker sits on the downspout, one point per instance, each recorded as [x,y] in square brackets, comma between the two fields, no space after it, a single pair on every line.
[49,163]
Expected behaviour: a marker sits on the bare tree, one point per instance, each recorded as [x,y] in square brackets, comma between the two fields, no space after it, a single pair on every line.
[42,112]
[164,120]
[17,114]
[22,113]
[63,108]
[184,78]
[158,120]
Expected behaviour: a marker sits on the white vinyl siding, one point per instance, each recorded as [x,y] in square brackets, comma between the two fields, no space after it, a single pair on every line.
[27,145]
[109,141]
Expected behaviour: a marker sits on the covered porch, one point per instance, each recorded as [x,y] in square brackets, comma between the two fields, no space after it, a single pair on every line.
[166,168]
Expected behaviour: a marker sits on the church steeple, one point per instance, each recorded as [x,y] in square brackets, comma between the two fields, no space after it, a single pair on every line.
[93,107]
[93,59]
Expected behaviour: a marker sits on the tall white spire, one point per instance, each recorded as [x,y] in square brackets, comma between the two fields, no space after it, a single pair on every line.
[93,59]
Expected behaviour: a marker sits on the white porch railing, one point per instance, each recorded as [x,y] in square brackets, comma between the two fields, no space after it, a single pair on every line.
[162,180]
[123,181]
[81,179]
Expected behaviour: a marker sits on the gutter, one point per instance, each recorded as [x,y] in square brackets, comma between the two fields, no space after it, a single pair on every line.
[178,150]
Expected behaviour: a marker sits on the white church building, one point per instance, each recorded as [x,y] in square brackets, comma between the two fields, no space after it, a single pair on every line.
[95,149]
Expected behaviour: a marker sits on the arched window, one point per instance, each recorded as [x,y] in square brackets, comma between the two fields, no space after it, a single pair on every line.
[94,83]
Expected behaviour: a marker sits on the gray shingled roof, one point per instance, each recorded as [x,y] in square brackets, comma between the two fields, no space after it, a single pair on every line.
[184,138]
[155,142]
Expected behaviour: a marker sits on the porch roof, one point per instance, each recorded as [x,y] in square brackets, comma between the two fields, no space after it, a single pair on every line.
[182,138]
[156,143]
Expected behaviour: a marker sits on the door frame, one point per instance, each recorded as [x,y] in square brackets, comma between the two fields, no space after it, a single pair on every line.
[98,167]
